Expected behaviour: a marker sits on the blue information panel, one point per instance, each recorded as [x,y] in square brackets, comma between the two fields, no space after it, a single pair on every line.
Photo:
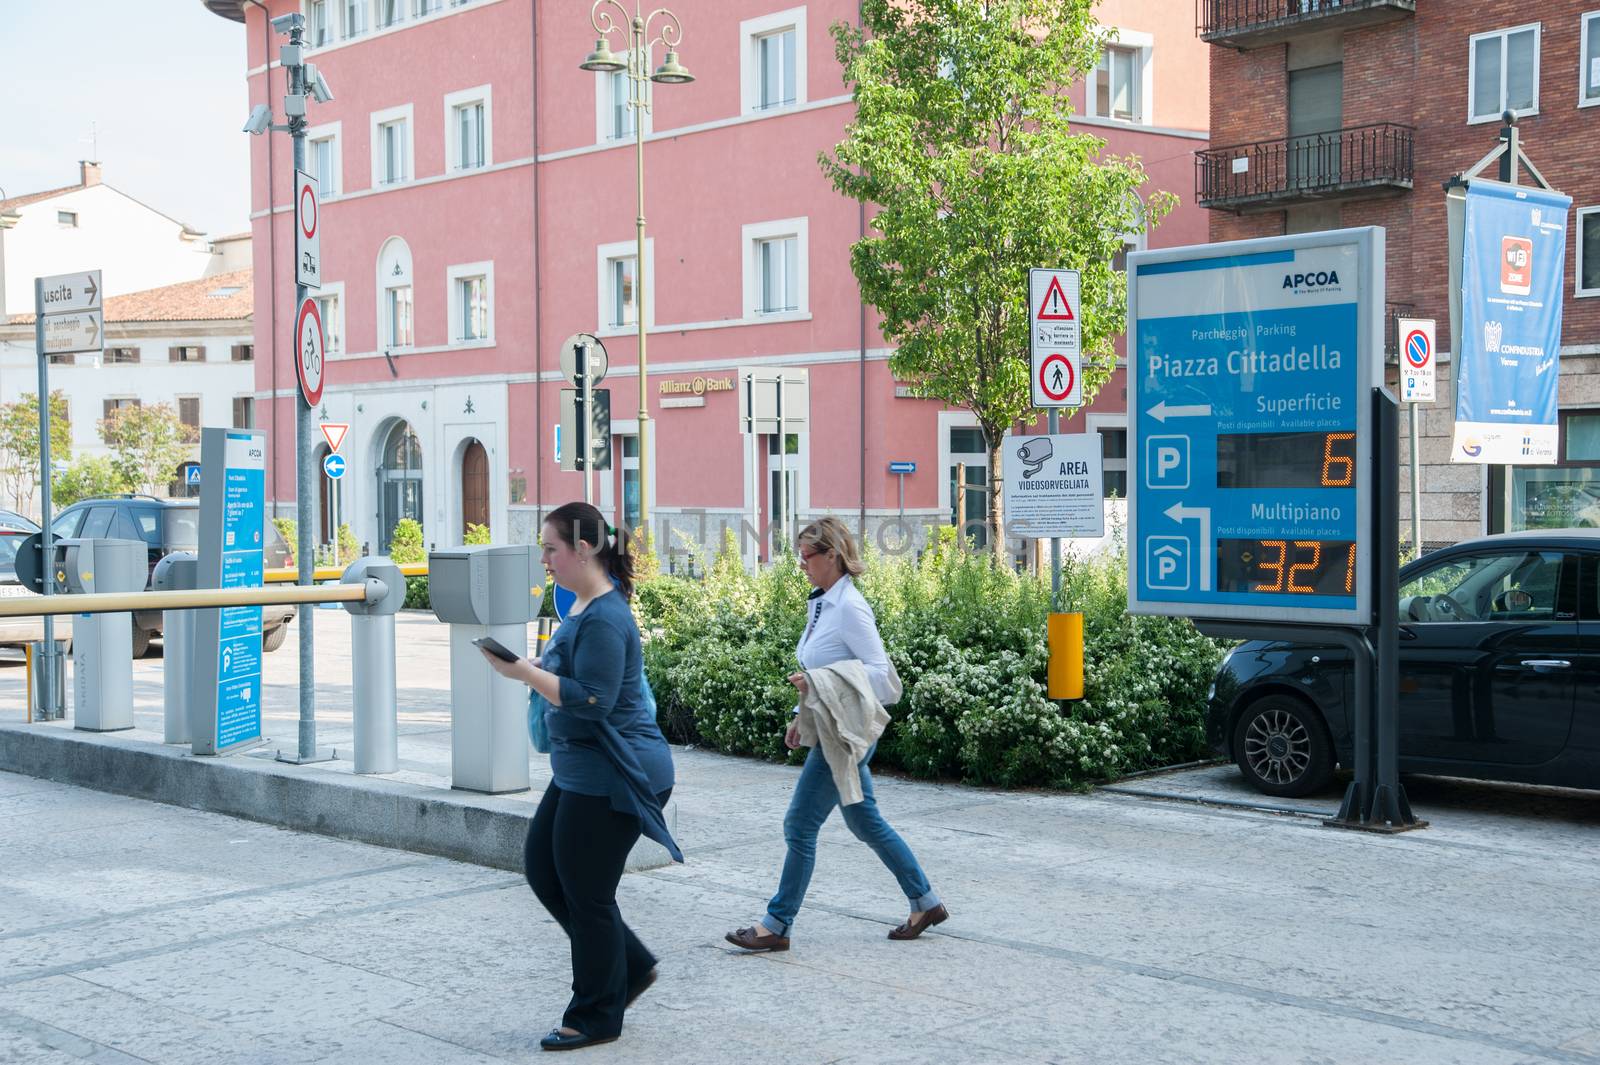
[239,636]
[1251,366]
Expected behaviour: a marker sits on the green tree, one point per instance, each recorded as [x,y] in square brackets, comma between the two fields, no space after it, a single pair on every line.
[19,444]
[962,150]
[147,445]
[89,477]
[405,543]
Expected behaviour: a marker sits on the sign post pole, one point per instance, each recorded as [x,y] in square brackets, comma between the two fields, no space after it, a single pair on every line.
[47,675]
[1416,485]
[1055,344]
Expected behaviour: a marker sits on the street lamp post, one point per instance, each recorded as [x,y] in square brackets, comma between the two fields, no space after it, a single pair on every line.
[635,31]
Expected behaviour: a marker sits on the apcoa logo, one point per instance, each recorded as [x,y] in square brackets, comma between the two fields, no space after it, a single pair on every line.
[1311,280]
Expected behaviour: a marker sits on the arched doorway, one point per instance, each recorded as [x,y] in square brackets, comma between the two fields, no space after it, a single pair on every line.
[399,481]
[474,486]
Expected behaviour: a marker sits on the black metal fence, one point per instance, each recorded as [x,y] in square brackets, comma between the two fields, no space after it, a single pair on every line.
[1299,166]
[1233,16]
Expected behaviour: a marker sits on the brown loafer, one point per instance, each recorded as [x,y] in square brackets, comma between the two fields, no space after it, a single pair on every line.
[915,926]
[757,938]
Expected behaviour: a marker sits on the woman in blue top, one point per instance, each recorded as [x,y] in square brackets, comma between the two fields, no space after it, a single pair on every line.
[612,773]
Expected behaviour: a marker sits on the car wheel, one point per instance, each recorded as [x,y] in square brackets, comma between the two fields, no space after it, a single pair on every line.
[1282,747]
[274,639]
[141,641]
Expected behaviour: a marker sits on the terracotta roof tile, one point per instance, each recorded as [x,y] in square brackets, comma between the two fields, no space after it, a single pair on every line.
[221,297]
[34,197]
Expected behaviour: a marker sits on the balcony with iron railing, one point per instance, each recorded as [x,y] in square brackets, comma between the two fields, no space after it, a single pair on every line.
[1253,23]
[1342,163]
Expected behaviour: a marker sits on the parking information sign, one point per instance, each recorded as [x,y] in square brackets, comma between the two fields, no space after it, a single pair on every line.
[1417,362]
[1251,369]
[1055,339]
[227,651]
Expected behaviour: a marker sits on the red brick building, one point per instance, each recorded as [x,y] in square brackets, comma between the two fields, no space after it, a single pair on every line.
[1337,113]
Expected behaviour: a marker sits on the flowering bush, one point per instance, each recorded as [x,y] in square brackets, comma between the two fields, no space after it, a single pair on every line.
[968,640]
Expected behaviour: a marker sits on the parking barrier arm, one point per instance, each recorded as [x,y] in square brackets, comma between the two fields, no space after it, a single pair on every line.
[199,599]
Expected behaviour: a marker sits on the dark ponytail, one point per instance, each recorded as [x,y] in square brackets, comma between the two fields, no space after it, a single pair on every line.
[582,521]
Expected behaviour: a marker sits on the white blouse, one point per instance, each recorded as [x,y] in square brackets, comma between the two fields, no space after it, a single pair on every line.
[839,626]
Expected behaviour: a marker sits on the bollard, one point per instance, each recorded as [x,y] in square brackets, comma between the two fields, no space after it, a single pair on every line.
[177,572]
[372,662]
[102,644]
[1064,675]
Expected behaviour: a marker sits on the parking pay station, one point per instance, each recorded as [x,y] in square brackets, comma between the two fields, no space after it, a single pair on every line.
[485,591]
[102,644]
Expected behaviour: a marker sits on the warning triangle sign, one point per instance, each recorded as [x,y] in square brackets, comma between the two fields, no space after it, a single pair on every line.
[334,433]
[1055,307]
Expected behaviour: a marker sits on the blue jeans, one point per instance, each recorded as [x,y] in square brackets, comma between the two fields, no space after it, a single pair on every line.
[814,799]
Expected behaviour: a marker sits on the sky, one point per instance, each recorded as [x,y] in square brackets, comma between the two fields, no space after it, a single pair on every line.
[159,83]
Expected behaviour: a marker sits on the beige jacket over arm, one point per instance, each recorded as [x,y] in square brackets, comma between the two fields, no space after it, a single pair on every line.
[841,713]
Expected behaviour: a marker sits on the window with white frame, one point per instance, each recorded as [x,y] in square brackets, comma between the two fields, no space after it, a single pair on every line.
[1503,73]
[623,297]
[775,74]
[427,7]
[1588,270]
[621,110]
[617,285]
[471,302]
[392,146]
[330,306]
[773,61]
[1120,86]
[355,18]
[1589,60]
[322,158]
[468,121]
[319,22]
[390,12]
[396,328]
[775,268]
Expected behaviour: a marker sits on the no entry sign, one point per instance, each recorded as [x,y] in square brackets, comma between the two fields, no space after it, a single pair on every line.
[309,351]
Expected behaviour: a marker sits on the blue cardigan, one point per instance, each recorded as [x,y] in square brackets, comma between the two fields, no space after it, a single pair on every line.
[604,739]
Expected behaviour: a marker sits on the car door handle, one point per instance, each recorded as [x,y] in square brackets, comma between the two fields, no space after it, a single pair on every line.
[1546,663]
[1407,633]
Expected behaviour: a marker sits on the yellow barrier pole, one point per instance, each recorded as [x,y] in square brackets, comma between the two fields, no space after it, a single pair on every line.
[199,599]
[1064,678]
[27,654]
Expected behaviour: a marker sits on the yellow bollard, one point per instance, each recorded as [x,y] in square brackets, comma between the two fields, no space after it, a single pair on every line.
[1064,679]
[27,654]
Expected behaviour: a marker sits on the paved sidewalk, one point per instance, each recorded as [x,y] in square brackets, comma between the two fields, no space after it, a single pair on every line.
[1104,928]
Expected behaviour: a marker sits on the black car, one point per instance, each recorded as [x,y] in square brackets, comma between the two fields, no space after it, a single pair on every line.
[1499,674]
[167,525]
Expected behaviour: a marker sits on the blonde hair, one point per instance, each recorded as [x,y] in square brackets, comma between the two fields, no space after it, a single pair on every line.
[831,535]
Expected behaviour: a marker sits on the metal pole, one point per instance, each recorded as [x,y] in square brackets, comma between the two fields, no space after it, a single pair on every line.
[373,675]
[47,675]
[582,423]
[902,499]
[1390,808]
[783,468]
[1055,544]
[305,470]
[1416,487]
[638,78]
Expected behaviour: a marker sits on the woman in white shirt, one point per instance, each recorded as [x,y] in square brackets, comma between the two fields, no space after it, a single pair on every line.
[839,626]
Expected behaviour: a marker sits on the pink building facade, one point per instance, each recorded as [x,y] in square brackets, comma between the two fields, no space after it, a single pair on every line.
[479,209]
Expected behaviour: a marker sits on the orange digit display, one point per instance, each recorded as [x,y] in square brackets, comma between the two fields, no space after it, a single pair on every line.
[1315,547]
[1338,471]
[1276,566]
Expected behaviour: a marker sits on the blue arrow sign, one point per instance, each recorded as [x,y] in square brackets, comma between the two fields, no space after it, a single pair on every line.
[333,466]
[902,467]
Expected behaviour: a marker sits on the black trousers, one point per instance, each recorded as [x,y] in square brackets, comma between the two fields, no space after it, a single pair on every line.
[576,848]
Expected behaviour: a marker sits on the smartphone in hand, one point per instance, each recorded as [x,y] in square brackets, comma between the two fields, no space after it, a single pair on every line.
[496,648]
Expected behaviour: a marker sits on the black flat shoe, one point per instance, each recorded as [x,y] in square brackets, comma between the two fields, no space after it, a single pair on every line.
[556,1041]
[640,988]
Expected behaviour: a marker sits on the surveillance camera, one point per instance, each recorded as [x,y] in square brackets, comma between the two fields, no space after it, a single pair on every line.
[285,24]
[317,85]
[260,120]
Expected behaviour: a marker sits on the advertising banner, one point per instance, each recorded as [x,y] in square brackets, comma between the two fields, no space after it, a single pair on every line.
[1507,354]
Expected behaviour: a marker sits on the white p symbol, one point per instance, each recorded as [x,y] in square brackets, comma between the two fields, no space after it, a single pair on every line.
[1166,566]
[1167,458]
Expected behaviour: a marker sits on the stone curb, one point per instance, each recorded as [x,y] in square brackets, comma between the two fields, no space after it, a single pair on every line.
[467,827]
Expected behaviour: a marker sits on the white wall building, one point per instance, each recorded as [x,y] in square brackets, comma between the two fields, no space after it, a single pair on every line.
[189,346]
[91,226]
